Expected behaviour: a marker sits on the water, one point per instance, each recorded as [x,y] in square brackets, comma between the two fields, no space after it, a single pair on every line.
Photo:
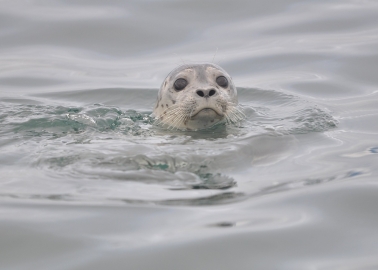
[89,182]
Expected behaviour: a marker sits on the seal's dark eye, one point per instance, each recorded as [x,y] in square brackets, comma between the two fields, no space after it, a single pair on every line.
[180,84]
[222,81]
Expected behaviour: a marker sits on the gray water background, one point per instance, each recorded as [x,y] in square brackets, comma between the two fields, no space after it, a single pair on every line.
[88,182]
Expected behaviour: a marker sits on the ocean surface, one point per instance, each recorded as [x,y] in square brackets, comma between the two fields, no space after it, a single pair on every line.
[88,181]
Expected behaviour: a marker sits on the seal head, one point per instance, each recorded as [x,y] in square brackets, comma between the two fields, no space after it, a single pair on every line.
[197,96]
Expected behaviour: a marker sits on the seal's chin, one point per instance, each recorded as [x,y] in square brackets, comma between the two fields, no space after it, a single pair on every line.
[204,118]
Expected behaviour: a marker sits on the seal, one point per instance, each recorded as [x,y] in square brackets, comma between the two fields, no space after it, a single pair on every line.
[197,96]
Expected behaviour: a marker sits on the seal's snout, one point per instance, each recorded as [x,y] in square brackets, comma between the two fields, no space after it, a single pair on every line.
[206,93]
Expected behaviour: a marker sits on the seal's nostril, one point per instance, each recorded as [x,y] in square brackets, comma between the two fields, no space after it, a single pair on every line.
[200,93]
[212,92]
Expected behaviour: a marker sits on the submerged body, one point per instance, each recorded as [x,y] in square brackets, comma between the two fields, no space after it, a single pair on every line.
[197,96]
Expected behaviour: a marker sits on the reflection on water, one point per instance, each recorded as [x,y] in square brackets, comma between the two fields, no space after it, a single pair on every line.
[89,182]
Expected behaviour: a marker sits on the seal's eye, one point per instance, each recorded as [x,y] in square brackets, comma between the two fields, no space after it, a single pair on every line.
[222,81]
[180,84]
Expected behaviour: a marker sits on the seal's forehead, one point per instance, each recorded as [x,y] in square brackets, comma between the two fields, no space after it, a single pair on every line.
[196,68]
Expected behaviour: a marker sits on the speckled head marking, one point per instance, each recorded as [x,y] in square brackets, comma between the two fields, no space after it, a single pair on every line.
[197,96]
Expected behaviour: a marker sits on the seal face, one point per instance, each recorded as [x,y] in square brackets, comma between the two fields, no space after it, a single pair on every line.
[197,96]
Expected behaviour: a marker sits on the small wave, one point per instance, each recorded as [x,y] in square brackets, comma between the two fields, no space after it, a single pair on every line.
[272,111]
[50,121]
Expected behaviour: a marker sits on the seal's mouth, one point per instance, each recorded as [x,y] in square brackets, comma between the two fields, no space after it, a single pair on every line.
[207,113]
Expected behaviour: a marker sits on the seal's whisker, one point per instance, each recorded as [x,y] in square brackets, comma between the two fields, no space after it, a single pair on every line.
[238,117]
[180,120]
[239,110]
[214,55]
[234,113]
[177,120]
[170,110]
[173,124]
[232,117]
[171,114]
[227,119]
[166,115]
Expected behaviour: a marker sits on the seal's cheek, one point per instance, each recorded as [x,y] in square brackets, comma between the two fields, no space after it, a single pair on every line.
[169,96]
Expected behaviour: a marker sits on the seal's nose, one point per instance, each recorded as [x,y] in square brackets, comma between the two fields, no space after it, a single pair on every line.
[206,93]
